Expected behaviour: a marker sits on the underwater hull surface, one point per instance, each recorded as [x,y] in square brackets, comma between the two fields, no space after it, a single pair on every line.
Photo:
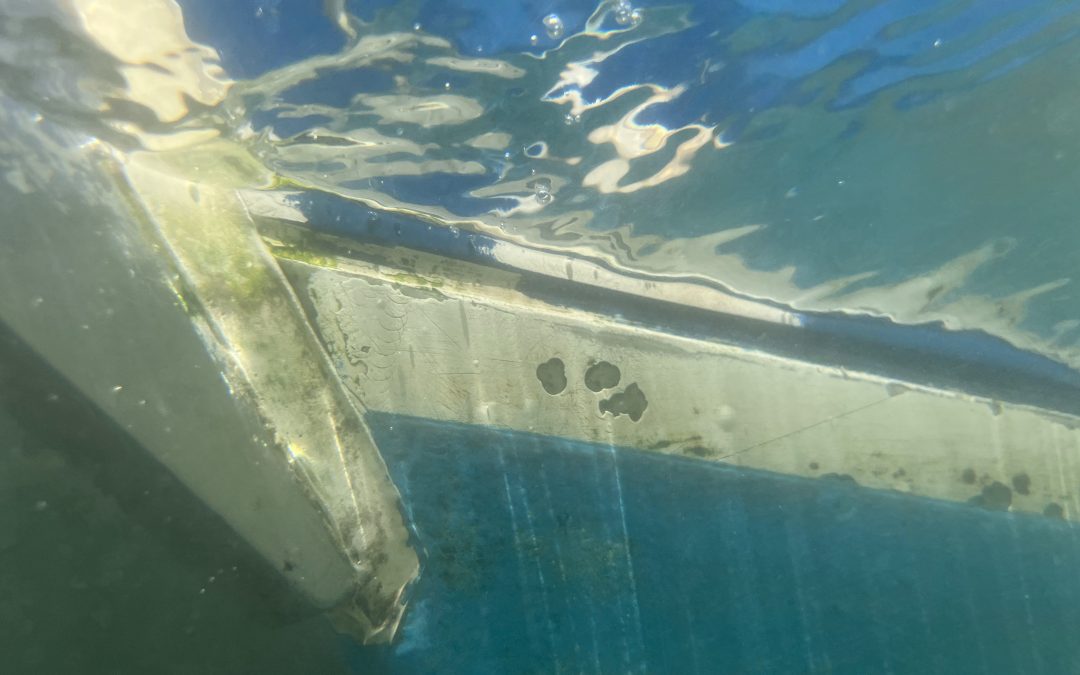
[547,555]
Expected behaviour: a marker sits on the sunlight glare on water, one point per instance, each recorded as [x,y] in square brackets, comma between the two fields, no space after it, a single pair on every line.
[908,161]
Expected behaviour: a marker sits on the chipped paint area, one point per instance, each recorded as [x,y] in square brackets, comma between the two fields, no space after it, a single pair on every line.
[486,354]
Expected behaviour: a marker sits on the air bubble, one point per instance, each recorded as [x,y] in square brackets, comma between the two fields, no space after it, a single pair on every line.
[542,190]
[573,118]
[554,26]
[533,40]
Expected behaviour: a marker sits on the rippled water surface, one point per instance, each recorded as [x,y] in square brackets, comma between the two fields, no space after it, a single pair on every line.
[911,159]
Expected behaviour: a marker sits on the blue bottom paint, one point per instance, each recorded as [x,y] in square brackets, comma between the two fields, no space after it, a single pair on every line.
[544,555]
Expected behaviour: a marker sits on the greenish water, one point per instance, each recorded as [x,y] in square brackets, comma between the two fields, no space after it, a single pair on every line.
[107,566]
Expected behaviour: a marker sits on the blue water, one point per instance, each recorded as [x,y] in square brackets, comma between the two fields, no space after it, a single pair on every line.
[544,555]
[877,142]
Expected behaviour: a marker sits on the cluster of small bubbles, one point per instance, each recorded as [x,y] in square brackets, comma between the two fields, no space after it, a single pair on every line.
[542,190]
[454,231]
[622,11]
[626,14]
[573,118]
[554,26]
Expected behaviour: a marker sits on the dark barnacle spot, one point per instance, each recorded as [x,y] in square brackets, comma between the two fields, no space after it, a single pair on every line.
[552,376]
[968,476]
[630,402]
[698,451]
[1003,246]
[288,566]
[601,376]
[840,478]
[814,466]
[1022,483]
[996,496]
[899,473]
[895,389]
[1054,510]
